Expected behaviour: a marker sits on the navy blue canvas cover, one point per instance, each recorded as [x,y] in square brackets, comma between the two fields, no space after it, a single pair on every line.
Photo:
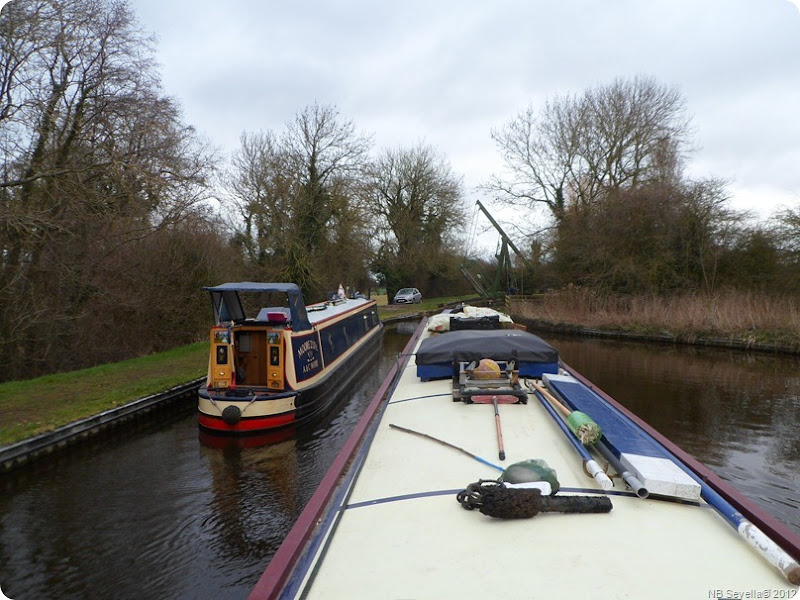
[227,305]
[532,354]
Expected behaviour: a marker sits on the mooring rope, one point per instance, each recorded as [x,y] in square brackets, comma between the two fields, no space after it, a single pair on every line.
[494,499]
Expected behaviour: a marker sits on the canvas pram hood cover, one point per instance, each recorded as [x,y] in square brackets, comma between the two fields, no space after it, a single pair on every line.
[497,344]
[228,306]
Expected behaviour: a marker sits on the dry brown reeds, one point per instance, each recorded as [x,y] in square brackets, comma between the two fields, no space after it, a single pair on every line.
[749,317]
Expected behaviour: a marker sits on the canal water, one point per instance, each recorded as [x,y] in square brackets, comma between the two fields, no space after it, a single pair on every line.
[162,513]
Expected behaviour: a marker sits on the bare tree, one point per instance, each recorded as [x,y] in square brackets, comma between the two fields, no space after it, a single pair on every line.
[635,131]
[298,196]
[788,221]
[262,188]
[540,155]
[613,137]
[786,238]
[419,204]
[95,161]
[327,155]
[708,226]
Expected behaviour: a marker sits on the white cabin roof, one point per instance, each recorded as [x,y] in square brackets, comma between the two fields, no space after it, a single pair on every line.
[402,534]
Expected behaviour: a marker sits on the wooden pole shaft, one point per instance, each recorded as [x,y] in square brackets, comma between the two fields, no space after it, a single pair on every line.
[544,392]
[502,450]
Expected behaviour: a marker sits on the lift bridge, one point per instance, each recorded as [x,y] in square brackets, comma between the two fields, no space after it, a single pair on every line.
[504,278]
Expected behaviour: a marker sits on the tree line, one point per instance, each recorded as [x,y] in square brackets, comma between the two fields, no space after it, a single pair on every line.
[316,206]
[605,170]
[114,212]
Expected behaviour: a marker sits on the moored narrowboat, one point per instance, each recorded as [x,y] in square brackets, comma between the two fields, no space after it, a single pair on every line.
[275,362]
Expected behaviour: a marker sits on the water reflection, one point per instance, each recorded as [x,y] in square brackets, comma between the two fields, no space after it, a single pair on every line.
[102,524]
[738,413]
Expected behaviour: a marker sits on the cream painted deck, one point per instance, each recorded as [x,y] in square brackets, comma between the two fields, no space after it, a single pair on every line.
[403,535]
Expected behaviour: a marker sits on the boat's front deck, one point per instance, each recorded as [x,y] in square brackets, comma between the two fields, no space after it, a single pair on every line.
[402,533]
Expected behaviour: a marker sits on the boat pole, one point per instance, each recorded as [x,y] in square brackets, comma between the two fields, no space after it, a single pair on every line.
[580,423]
[430,437]
[751,533]
[629,478]
[589,463]
[763,544]
[501,449]
[632,480]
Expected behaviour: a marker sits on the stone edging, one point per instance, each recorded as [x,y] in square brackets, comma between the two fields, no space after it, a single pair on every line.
[23,452]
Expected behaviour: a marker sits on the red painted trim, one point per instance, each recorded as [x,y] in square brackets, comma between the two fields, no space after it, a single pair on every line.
[245,425]
[501,399]
[773,528]
[256,440]
[271,582]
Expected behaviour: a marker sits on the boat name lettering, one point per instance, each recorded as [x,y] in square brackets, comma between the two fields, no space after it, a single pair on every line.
[308,347]
[312,366]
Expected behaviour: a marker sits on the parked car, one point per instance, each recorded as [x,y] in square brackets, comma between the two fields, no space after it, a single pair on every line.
[407,296]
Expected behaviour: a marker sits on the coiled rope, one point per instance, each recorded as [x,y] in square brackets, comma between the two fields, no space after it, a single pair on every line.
[494,499]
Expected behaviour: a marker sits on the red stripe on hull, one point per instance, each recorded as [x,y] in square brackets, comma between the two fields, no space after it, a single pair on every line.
[216,439]
[246,425]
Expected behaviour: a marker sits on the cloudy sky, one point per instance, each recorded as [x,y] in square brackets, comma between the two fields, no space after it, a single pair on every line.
[445,72]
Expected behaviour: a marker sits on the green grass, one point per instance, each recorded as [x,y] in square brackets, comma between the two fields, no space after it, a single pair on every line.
[39,405]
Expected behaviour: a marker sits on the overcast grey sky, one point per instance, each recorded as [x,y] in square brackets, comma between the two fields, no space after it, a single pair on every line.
[446,72]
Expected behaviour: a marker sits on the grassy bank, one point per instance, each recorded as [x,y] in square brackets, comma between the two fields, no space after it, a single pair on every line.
[39,405]
[739,318]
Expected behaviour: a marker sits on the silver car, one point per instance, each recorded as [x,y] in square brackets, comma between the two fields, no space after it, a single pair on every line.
[408,296]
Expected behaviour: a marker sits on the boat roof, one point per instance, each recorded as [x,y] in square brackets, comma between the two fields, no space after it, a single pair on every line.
[227,305]
[253,286]
[393,526]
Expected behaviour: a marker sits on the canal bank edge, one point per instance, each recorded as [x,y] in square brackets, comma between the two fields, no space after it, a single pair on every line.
[25,451]
[693,340]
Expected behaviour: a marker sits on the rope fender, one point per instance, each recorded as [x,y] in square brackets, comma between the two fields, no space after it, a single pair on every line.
[494,499]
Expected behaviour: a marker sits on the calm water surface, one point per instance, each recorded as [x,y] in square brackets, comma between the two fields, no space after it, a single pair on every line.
[164,514]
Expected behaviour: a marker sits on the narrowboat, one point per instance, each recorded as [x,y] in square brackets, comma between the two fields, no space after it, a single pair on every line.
[275,362]
[495,481]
